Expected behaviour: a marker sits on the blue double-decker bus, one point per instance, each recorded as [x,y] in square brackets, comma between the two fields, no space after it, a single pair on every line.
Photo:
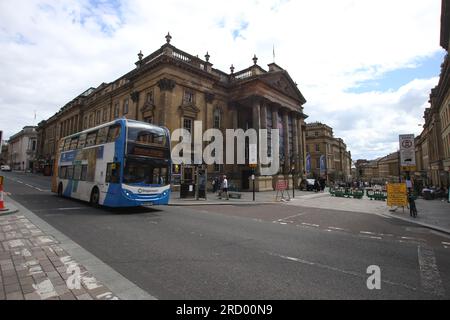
[122,163]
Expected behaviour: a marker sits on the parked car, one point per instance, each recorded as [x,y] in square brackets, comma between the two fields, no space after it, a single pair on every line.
[5,167]
[310,184]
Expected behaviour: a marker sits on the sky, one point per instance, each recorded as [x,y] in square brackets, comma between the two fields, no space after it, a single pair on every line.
[365,67]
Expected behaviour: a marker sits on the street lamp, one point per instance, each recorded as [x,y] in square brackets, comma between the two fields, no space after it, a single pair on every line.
[294,158]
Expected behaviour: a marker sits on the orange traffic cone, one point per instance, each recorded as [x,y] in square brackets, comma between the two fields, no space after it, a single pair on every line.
[2,206]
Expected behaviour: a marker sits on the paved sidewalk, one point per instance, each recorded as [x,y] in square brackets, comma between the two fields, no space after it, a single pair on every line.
[264,197]
[434,214]
[34,267]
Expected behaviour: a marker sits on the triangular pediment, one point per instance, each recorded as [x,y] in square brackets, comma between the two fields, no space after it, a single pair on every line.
[281,81]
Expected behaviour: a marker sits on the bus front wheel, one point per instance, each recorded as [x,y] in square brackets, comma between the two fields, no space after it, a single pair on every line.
[95,196]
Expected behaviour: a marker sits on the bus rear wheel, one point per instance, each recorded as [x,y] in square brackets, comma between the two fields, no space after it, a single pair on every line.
[60,190]
[95,196]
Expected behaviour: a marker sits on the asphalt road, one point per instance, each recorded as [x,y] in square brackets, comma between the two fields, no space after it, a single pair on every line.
[249,252]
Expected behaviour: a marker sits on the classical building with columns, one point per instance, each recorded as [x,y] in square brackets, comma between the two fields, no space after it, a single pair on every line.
[327,155]
[172,88]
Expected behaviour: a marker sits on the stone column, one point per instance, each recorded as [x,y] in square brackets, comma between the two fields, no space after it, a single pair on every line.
[256,122]
[263,116]
[165,86]
[301,144]
[287,164]
[295,141]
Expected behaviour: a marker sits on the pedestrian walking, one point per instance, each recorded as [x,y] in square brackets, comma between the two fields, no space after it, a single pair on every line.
[215,183]
[225,186]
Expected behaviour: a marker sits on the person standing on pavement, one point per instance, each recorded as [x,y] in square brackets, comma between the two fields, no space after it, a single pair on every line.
[225,186]
[412,205]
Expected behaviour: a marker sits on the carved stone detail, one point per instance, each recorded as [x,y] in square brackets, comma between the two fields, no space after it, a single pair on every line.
[134,96]
[166,84]
[209,97]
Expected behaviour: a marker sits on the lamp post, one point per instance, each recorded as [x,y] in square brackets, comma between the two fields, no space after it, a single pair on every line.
[294,158]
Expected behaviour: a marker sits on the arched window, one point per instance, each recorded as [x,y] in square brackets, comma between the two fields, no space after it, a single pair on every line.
[217,118]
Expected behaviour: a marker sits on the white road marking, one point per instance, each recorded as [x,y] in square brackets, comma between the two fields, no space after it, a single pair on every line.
[324,266]
[429,273]
[336,228]
[367,232]
[371,237]
[445,243]
[310,224]
[295,215]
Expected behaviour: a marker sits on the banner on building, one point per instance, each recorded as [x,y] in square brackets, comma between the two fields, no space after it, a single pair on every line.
[308,163]
[397,195]
[407,152]
[323,164]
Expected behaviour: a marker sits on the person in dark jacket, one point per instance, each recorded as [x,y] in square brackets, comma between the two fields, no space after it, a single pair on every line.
[316,185]
[412,205]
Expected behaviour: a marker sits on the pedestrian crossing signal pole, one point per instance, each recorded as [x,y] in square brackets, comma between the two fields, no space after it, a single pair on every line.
[253,179]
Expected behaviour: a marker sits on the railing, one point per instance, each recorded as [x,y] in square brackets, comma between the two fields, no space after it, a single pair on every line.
[243,75]
[180,56]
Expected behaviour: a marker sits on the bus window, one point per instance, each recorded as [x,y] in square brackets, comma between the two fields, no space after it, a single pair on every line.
[63,172]
[113,172]
[70,172]
[67,145]
[82,141]
[114,133]
[74,143]
[159,175]
[102,135]
[61,145]
[90,139]
[77,172]
[83,172]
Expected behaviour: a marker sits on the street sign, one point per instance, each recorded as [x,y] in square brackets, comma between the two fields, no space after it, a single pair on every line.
[407,151]
[396,194]
[281,185]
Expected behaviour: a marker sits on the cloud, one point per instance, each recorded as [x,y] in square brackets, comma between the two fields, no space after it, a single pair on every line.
[51,51]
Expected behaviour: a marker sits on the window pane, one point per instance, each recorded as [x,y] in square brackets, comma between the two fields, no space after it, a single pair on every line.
[83,172]
[91,137]
[74,143]
[70,172]
[82,141]
[67,145]
[102,135]
[77,172]
[113,133]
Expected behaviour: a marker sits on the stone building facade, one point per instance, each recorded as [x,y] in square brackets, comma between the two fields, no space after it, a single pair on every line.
[173,88]
[22,149]
[433,144]
[321,144]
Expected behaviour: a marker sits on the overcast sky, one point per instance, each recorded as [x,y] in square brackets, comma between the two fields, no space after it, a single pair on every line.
[365,67]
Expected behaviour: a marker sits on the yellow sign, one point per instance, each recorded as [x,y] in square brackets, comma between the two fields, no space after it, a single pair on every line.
[396,194]
[1,180]
[253,165]
[408,168]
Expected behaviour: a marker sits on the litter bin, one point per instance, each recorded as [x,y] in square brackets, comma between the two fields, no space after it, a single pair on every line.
[187,190]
